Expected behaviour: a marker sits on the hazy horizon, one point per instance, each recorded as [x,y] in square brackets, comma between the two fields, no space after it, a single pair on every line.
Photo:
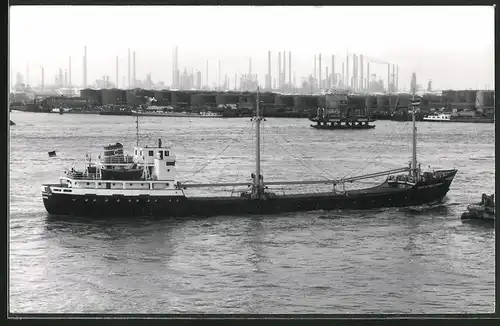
[452,46]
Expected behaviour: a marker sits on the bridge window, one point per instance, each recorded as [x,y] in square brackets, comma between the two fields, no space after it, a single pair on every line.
[167,153]
[135,151]
[170,163]
[151,153]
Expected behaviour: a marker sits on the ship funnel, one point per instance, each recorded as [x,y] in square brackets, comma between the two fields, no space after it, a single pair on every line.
[159,143]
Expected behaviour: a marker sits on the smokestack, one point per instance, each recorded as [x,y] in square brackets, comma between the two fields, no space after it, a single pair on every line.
[320,80]
[327,80]
[343,75]
[388,77]
[354,73]
[397,78]
[347,70]
[362,72]
[70,85]
[279,69]
[219,75]
[290,68]
[27,81]
[43,79]
[393,77]
[284,67]
[249,66]
[269,86]
[368,76]
[85,67]
[117,74]
[314,67]
[65,78]
[133,70]
[334,82]
[129,68]
[60,78]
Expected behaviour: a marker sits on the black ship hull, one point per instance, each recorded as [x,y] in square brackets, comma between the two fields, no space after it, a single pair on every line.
[127,113]
[384,195]
[334,127]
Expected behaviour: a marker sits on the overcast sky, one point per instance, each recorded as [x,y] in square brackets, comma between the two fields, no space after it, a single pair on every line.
[453,46]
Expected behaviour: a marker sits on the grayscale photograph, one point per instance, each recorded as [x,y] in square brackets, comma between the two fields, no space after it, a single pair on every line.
[251,160]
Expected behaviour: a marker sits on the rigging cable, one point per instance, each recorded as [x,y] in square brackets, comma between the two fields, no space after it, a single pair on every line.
[303,154]
[219,154]
[322,176]
[371,157]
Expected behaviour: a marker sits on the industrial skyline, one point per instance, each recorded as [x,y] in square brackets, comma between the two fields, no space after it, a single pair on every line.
[342,63]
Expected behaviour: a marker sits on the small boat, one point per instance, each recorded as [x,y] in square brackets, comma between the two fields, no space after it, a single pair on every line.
[440,117]
[483,211]
[205,114]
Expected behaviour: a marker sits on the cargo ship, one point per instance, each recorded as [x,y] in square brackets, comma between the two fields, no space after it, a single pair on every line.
[144,184]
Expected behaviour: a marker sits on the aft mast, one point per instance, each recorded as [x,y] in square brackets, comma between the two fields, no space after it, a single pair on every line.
[414,169]
[137,130]
[257,178]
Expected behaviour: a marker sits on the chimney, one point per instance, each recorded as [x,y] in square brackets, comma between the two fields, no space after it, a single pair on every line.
[129,69]
[43,79]
[397,77]
[327,79]
[133,70]
[284,67]
[70,85]
[117,75]
[290,68]
[269,86]
[393,77]
[368,76]
[65,78]
[343,75]
[362,78]
[314,75]
[279,70]
[320,84]
[388,77]
[85,67]
[334,82]
[347,71]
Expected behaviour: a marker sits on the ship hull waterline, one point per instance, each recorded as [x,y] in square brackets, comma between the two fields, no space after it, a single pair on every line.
[183,206]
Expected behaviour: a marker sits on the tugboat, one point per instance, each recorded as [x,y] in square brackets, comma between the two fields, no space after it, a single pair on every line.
[325,121]
[333,118]
[145,185]
[483,211]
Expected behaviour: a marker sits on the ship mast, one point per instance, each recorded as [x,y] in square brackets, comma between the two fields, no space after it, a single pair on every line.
[256,179]
[414,170]
[137,130]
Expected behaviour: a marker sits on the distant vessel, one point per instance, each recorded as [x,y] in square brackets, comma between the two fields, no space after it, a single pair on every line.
[206,114]
[445,117]
[116,111]
[144,185]
[60,110]
[12,123]
[439,117]
[334,119]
